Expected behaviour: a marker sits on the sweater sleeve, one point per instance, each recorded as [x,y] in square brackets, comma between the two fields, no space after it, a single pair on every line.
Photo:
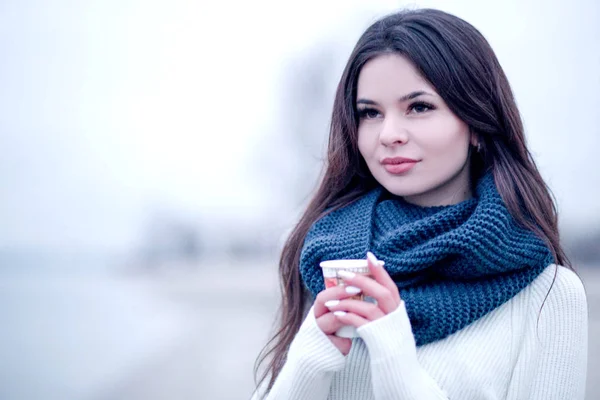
[311,362]
[553,363]
[395,370]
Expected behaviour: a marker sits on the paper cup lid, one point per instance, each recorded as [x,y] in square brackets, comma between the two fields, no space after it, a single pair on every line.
[331,267]
[344,264]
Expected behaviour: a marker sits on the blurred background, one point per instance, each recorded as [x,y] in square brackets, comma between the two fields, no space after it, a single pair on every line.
[156,153]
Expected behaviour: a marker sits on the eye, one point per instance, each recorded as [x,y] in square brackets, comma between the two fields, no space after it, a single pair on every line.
[420,107]
[368,113]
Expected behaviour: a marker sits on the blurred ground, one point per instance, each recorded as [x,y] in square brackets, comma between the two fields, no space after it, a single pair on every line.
[179,334]
[231,310]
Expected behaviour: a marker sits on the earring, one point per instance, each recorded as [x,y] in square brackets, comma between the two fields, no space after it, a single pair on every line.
[479,147]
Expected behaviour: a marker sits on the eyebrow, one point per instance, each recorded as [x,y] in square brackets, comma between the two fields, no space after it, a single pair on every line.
[402,99]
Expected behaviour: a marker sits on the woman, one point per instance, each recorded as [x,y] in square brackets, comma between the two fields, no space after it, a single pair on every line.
[428,169]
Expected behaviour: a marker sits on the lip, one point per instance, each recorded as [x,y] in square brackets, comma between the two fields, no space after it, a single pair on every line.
[398,165]
[398,160]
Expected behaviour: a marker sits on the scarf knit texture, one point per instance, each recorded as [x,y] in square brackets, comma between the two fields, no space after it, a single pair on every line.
[452,264]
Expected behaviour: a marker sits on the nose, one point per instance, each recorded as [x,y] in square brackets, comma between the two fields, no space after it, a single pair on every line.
[393,132]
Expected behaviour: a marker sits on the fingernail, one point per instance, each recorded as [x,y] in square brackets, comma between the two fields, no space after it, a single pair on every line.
[352,290]
[372,258]
[332,303]
[346,274]
[339,313]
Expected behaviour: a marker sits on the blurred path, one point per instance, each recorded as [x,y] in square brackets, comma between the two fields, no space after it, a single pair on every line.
[231,311]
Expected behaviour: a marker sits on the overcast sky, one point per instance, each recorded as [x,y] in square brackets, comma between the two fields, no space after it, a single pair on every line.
[112,109]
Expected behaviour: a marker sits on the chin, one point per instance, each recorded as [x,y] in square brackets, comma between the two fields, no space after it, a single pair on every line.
[403,186]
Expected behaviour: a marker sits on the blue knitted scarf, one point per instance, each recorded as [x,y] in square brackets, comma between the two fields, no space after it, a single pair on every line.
[452,264]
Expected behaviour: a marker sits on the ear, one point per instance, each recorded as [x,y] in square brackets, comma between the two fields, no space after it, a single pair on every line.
[474,139]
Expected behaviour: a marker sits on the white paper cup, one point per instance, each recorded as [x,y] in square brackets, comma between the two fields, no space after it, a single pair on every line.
[330,274]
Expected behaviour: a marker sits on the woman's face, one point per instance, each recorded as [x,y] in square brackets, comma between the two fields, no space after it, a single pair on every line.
[414,146]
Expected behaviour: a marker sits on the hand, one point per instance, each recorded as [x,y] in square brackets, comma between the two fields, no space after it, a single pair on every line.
[381,287]
[327,321]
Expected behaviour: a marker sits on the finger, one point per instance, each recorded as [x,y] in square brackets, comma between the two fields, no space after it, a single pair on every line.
[386,300]
[333,293]
[343,344]
[328,323]
[380,274]
[348,318]
[368,311]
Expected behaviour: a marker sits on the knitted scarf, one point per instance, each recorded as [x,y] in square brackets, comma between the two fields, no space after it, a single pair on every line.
[452,264]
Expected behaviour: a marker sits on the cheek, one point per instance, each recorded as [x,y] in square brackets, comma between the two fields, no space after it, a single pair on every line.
[367,141]
[448,141]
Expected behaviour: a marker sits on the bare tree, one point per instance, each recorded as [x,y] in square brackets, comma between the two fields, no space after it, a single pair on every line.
[290,157]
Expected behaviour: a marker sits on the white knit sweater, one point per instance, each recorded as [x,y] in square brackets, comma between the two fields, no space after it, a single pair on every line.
[505,355]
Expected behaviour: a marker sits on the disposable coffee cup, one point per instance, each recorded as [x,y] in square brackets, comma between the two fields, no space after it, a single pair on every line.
[331,269]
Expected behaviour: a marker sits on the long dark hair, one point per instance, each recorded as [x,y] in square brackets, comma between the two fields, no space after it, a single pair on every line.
[459,62]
